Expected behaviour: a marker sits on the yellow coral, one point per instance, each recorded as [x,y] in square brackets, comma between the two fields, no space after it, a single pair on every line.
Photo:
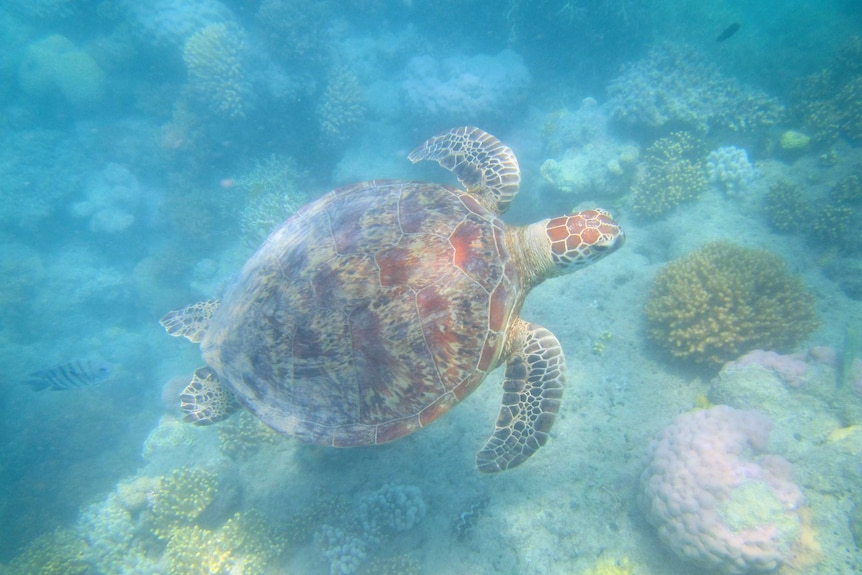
[674,174]
[244,544]
[181,497]
[723,300]
[214,60]
[59,552]
[611,566]
[793,140]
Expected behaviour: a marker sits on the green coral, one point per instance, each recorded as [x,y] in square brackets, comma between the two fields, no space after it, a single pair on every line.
[214,58]
[55,64]
[785,206]
[180,498]
[674,174]
[60,552]
[724,300]
[244,544]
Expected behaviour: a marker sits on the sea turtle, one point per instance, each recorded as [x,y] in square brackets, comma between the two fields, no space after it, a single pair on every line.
[378,307]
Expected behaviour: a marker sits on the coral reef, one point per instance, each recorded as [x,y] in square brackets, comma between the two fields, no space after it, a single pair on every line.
[341,108]
[611,566]
[295,29]
[793,140]
[55,65]
[345,552]
[714,495]
[215,60]
[785,206]
[729,167]
[113,196]
[724,300]
[459,88]
[829,103]
[591,162]
[393,507]
[59,552]
[244,434]
[167,24]
[673,174]
[273,189]
[181,498]
[676,87]
[244,544]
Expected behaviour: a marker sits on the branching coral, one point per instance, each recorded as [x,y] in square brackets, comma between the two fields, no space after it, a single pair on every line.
[244,434]
[214,58]
[181,498]
[59,552]
[273,190]
[341,108]
[724,300]
[675,86]
[785,206]
[244,544]
[829,103]
[674,174]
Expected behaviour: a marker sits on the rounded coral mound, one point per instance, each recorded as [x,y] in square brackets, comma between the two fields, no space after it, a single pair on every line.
[716,499]
[724,300]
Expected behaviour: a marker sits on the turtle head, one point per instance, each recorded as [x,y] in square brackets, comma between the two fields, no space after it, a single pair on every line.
[582,238]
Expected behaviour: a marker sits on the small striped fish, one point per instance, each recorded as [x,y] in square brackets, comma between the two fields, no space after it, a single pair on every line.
[70,375]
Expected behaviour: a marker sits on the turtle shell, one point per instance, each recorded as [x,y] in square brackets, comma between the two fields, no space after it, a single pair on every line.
[367,314]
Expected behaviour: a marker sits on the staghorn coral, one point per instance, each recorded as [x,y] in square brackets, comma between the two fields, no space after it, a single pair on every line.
[674,86]
[214,58]
[729,167]
[785,206]
[724,300]
[673,175]
[715,497]
[341,108]
[244,544]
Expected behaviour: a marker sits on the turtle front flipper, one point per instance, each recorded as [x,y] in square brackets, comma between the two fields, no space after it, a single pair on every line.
[191,321]
[482,163]
[205,400]
[532,390]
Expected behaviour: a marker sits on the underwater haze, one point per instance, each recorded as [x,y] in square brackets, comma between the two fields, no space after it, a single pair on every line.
[711,420]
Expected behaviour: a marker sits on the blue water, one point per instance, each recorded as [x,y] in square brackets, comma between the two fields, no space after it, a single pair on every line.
[149,147]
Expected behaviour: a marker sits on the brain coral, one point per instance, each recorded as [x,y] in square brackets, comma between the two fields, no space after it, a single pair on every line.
[716,499]
[724,300]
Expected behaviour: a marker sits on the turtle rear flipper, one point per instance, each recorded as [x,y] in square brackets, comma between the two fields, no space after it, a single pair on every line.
[191,321]
[205,400]
[533,388]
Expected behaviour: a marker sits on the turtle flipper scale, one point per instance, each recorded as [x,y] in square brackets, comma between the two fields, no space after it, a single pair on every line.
[532,391]
[205,400]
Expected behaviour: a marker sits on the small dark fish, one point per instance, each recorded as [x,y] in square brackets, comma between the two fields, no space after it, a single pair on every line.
[70,375]
[728,32]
